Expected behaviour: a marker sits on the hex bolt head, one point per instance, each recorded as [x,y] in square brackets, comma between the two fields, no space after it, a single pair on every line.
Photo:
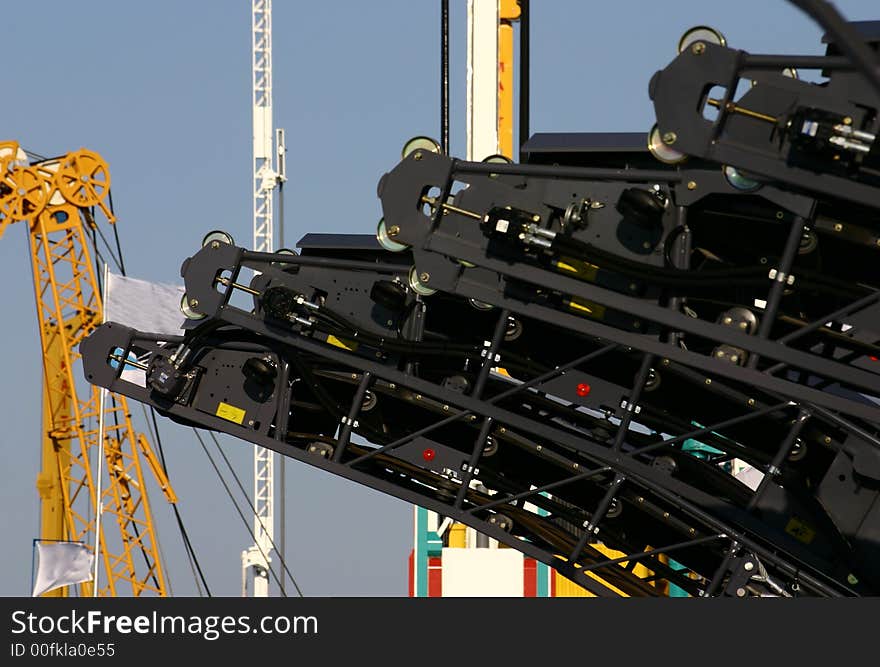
[424,277]
[698,48]
[749,566]
[740,592]
[669,137]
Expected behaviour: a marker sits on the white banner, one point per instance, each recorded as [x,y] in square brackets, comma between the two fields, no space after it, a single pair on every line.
[142,305]
[62,564]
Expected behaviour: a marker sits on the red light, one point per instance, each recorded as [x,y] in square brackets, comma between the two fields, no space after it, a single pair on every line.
[583,389]
[873,359]
[429,454]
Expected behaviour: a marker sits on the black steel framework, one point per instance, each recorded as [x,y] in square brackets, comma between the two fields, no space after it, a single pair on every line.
[571,355]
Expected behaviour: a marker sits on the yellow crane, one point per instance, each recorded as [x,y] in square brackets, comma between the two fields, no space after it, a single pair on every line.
[60,200]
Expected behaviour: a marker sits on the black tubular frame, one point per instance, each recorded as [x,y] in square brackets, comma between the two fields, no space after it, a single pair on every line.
[590,487]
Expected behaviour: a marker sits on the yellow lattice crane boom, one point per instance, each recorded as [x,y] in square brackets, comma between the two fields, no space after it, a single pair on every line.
[61,200]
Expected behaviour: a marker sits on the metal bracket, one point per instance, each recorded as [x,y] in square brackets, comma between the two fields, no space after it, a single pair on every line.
[781,277]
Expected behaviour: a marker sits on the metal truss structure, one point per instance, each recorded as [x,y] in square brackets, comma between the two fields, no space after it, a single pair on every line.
[580,350]
[58,200]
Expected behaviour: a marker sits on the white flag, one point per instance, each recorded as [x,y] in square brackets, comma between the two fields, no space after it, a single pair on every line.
[142,305]
[62,564]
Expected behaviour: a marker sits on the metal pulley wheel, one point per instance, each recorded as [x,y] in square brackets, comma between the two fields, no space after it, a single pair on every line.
[385,239]
[219,236]
[83,179]
[417,285]
[662,150]
[420,143]
[27,195]
[188,310]
[701,33]
[283,251]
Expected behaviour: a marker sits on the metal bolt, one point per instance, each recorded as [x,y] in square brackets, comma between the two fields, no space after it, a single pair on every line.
[445,408]
[708,381]
[538,448]
[847,120]
[734,358]
[698,48]
[665,362]
[574,465]
[669,137]
[424,277]
[749,566]
[418,397]
[215,244]
[827,439]
[665,515]
[727,319]
[417,155]
[502,430]
[640,499]
[193,302]
[838,227]
[693,531]
[740,592]
[251,422]
[393,231]
[692,185]
[751,402]
[852,579]
[536,218]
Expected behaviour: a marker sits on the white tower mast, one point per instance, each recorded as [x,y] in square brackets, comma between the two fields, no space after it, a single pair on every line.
[264,181]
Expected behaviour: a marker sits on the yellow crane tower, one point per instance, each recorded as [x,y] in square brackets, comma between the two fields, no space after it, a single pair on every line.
[60,199]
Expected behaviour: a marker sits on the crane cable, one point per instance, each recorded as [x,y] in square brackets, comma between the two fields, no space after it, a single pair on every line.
[236,505]
[193,560]
[251,506]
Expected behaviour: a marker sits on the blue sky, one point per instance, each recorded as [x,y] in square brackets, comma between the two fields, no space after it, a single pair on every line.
[162,90]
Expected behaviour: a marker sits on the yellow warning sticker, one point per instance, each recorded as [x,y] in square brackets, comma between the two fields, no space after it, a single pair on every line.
[800,530]
[345,344]
[230,413]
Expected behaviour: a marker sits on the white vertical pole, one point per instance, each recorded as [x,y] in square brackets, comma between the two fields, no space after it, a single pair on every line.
[482,79]
[482,110]
[264,182]
[102,397]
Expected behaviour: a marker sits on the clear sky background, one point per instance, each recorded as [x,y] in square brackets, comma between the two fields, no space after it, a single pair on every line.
[162,89]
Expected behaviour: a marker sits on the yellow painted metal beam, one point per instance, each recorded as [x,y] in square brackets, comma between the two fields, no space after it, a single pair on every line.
[508,12]
[54,198]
